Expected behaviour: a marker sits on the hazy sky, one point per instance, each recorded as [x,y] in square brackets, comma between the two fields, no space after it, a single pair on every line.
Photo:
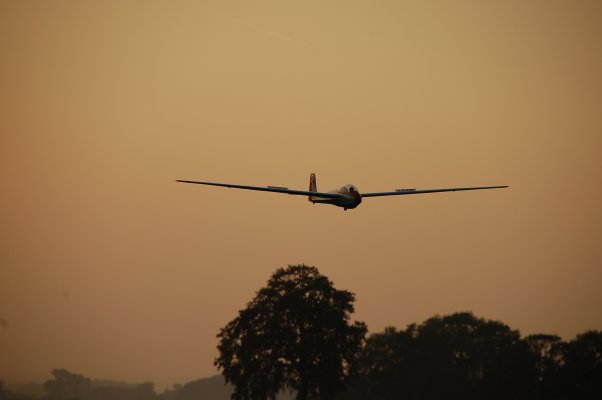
[111,269]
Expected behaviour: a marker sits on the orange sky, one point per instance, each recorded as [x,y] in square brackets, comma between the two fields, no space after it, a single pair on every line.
[111,269]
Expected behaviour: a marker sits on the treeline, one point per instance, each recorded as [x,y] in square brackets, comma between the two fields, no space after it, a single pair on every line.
[66,385]
[297,334]
[460,356]
[457,356]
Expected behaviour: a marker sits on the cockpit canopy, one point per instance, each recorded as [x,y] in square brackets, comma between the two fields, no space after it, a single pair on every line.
[346,189]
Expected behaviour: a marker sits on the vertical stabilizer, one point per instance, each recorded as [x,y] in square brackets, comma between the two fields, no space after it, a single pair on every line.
[312,186]
[312,183]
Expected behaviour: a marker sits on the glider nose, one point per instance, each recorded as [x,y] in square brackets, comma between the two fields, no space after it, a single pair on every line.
[357,196]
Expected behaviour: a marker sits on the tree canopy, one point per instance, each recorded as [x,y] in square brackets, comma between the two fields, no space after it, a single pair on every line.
[295,334]
[456,356]
[460,356]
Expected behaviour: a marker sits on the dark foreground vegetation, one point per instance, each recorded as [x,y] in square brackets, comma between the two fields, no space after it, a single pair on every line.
[296,335]
[452,357]
[460,356]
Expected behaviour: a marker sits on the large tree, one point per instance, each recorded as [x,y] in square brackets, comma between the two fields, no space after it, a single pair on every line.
[457,356]
[295,334]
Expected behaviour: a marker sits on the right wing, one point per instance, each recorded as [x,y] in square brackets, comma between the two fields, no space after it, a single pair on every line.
[414,191]
[274,189]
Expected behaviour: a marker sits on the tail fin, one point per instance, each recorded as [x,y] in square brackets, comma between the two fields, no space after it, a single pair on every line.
[312,186]
[312,183]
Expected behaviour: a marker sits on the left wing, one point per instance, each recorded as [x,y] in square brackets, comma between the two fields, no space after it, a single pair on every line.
[275,189]
[400,192]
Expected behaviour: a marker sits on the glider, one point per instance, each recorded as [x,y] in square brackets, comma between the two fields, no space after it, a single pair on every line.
[346,196]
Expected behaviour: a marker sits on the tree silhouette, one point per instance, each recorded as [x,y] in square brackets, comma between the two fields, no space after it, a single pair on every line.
[457,356]
[294,334]
[67,385]
[547,353]
[580,376]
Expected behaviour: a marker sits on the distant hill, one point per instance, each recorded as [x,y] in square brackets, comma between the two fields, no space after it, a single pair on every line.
[213,388]
[207,388]
[26,390]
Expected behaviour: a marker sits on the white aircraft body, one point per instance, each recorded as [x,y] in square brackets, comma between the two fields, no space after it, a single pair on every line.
[346,196]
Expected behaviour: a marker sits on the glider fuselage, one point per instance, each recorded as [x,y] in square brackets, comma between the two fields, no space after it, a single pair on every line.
[350,197]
